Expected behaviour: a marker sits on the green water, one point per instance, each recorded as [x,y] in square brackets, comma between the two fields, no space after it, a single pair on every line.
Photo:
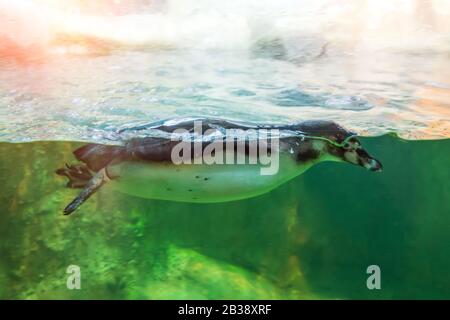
[312,238]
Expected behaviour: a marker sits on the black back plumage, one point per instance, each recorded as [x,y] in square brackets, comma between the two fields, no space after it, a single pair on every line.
[150,148]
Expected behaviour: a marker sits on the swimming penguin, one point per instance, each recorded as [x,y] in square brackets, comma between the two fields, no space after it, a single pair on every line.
[210,160]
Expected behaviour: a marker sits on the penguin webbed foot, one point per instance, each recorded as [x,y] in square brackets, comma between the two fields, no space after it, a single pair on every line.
[91,187]
[78,175]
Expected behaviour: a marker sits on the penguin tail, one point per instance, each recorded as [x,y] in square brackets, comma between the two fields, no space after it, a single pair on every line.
[98,156]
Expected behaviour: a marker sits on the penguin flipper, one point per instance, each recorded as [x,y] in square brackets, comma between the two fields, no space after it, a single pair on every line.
[91,187]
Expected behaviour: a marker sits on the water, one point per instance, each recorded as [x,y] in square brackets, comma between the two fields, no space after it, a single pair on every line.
[312,238]
[63,100]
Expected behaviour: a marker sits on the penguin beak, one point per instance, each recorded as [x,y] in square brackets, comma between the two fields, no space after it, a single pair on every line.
[360,157]
[374,165]
[366,161]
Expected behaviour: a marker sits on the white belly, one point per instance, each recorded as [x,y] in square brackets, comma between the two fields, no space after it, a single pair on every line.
[200,182]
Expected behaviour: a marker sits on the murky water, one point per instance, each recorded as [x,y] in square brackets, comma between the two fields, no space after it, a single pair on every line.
[314,237]
[83,77]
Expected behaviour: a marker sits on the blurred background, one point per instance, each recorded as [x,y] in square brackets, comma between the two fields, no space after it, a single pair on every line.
[33,27]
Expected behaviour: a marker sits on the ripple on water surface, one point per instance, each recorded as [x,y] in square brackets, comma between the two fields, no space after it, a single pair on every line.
[85,98]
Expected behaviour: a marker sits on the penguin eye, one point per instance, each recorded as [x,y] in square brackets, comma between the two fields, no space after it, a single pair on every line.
[347,145]
[351,144]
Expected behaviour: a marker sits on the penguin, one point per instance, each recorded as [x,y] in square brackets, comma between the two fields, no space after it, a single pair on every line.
[207,160]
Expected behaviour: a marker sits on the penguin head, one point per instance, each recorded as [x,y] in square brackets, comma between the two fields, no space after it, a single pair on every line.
[340,144]
[350,150]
